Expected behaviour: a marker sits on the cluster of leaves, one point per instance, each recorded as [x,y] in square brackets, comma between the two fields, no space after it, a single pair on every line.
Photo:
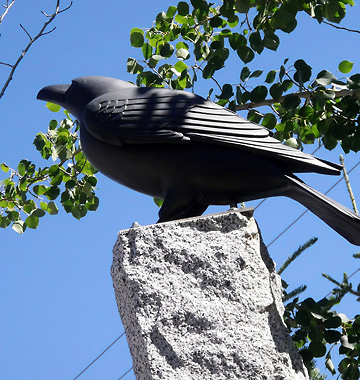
[317,329]
[29,192]
[317,326]
[201,38]
[327,108]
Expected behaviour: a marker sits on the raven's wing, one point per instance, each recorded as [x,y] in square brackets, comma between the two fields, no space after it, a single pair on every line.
[152,115]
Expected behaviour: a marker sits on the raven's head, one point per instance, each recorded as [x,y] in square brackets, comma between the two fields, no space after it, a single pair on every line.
[75,96]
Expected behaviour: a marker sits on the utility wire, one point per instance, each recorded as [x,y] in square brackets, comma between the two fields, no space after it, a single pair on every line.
[125,373]
[265,199]
[300,216]
[352,274]
[99,356]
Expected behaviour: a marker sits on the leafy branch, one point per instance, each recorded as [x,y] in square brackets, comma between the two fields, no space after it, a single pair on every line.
[29,192]
[301,95]
[317,329]
[43,31]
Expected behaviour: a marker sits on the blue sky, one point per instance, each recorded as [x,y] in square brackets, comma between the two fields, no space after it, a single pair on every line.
[58,309]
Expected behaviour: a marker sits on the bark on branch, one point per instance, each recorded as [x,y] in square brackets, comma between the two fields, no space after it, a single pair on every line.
[7,8]
[43,31]
[341,27]
[302,95]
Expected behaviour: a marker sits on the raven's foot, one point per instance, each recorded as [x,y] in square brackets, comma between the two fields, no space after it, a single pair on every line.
[233,206]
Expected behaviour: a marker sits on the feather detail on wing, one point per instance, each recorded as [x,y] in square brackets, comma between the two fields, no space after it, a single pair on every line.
[160,116]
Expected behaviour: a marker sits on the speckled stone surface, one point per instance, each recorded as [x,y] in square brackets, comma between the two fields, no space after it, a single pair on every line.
[199,299]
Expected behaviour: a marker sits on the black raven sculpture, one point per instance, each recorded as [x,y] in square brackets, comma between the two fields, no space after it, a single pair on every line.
[189,151]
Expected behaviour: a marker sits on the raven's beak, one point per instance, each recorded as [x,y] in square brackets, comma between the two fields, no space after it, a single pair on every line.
[55,94]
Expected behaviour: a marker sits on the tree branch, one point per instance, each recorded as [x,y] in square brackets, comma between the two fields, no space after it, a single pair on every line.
[302,95]
[348,185]
[41,33]
[7,8]
[340,27]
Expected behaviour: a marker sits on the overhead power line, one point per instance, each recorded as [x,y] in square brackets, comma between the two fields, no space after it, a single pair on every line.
[99,356]
[265,199]
[301,215]
[125,373]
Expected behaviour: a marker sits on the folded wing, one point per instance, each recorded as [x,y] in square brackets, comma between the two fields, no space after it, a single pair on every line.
[160,116]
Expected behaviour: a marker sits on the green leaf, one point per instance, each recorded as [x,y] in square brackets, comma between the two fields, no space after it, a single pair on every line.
[166,50]
[236,40]
[333,322]
[271,41]
[57,180]
[245,73]
[227,92]
[171,11]
[197,4]
[292,142]
[242,6]
[208,71]
[32,221]
[92,204]
[345,66]
[133,67]
[136,37]
[269,121]
[19,226]
[276,91]
[147,50]
[180,66]
[254,115]
[303,71]
[317,348]
[256,74]
[330,365]
[258,94]
[183,8]
[270,77]
[324,78]
[306,354]
[332,336]
[53,107]
[182,54]
[159,202]
[345,342]
[39,189]
[291,101]
[4,221]
[53,124]
[256,42]
[52,192]
[4,167]
[79,212]
[21,169]
[30,206]
[245,54]
[216,22]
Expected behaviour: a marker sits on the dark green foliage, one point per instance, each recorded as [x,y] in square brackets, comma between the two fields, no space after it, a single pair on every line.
[206,35]
[317,329]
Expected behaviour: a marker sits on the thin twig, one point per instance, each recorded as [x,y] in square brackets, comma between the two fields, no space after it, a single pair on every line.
[6,64]
[347,181]
[41,33]
[217,83]
[28,34]
[7,8]
[340,27]
[302,95]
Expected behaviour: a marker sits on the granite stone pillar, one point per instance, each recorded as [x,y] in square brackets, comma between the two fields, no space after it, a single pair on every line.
[199,299]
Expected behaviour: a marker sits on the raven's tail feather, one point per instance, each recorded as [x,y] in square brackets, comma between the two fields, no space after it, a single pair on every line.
[335,215]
